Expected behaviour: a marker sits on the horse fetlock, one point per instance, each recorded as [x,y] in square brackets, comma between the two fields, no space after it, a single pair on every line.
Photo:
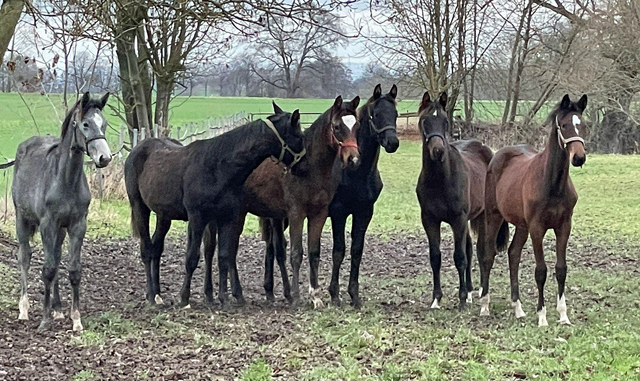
[562,310]
[542,317]
[24,308]
[77,323]
[517,308]
[484,305]
[158,300]
[58,315]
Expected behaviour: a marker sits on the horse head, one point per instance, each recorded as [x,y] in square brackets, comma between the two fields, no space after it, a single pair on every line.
[433,124]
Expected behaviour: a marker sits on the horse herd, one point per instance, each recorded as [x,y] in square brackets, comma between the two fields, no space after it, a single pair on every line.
[274,170]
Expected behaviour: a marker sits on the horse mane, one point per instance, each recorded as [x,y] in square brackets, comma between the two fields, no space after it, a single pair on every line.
[92,103]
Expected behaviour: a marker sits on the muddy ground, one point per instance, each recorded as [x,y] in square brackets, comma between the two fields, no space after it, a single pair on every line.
[126,339]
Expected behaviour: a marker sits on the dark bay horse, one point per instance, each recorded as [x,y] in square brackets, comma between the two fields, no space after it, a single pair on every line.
[50,192]
[360,188]
[201,183]
[533,191]
[304,192]
[451,189]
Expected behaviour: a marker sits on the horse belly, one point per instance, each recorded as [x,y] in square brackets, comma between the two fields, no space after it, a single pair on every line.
[162,196]
[509,197]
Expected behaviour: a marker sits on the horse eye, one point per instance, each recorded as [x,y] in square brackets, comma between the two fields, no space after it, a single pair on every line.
[85,125]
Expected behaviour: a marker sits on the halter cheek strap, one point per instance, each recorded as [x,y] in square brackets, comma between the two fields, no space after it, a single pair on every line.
[562,141]
[297,156]
[86,140]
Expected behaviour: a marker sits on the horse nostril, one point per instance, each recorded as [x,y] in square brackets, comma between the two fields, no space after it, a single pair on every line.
[104,160]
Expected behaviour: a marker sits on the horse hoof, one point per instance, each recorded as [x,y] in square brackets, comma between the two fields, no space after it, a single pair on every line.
[77,326]
[484,311]
[158,299]
[356,303]
[317,303]
[564,321]
[519,313]
[435,305]
[469,298]
[58,315]
[187,307]
[23,315]
[542,317]
[240,301]
[336,302]
[295,304]
[270,298]
[44,325]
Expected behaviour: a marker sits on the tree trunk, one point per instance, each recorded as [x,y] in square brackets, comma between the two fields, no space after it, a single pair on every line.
[10,12]
[164,87]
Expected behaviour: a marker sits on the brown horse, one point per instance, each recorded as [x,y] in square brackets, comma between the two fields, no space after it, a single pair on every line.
[532,190]
[304,192]
[451,189]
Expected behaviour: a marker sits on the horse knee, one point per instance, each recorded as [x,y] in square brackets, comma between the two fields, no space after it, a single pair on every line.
[541,274]
[49,273]
[561,271]
[460,260]
[74,277]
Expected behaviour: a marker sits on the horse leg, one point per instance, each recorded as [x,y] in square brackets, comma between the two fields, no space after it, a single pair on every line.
[296,221]
[562,237]
[269,259]
[360,223]
[338,223]
[196,227]
[280,246]
[140,224]
[469,252]
[56,303]
[227,247]
[487,250]
[76,237]
[315,225]
[209,240]
[460,233]
[157,243]
[49,232]
[432,228]
[236,287]
[537,235]
[24,232]
[515,252]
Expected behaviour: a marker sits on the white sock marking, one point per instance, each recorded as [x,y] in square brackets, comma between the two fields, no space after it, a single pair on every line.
[562,310]
[470,298]
[484,305]
[58,315]
[77,323]
[24,308]
[480,292]
[435,305]
[158,299]
[518,309]
[349,121]
[542,317]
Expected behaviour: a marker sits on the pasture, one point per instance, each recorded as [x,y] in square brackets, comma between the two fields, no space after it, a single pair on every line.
[394,337]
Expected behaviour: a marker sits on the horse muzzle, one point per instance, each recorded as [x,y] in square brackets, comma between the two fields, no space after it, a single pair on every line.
[391,143]
[98,150]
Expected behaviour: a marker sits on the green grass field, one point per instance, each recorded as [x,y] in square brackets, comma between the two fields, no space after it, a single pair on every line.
[409,342]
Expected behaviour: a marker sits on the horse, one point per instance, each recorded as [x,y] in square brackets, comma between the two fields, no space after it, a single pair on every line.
[50,193]
[202,183]
[359,189]
[533,191]
[451,189]
[279,197]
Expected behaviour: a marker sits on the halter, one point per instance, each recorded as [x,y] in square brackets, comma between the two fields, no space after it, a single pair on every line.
[373,125]
[297,156]
[86,140]
[564,142]
[435,134]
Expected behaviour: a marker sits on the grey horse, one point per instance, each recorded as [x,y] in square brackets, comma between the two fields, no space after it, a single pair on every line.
[50,191]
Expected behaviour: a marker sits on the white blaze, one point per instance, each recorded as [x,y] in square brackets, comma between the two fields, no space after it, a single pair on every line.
[97,119]
[576,122]
[349,121]
[435,112]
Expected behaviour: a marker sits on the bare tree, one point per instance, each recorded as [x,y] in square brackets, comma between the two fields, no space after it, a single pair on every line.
[10,12]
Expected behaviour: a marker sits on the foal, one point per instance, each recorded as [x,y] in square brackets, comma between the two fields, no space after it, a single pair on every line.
[360,188]
[201,183]
[533,191]
[50,191]
[451,189]
[303,192]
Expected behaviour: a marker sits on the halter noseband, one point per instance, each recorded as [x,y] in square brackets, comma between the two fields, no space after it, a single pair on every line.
[373,125]
[435,134]
[297,156]
[565,141]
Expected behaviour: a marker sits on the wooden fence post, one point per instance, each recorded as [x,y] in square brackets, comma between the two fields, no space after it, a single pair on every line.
[135,137]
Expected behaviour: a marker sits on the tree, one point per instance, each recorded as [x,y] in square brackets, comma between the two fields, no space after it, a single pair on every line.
[10,12]
[289,48]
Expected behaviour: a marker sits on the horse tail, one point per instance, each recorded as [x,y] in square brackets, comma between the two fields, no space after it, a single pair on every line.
[503,236]
[8,164]
[265,228]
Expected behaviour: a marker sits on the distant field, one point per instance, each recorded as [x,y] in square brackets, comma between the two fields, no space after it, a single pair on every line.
[17,123]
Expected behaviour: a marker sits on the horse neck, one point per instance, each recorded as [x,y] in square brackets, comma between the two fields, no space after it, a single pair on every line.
[321,151]
[437,169]
[556,165]
[70,166]
[368,143]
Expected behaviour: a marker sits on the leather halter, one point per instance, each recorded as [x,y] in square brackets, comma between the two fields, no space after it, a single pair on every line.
[565,141]
[86,140]
[435,134]
[373,125]
[297,156]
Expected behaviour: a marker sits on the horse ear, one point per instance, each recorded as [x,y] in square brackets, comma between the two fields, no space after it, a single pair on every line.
[276,108]
[103,101]
[566,102]
[338,102]
[85,99]
[394,91]
[377,92]
[425,103]
[295,118]
[582,103]
[443,99]
[355,102]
